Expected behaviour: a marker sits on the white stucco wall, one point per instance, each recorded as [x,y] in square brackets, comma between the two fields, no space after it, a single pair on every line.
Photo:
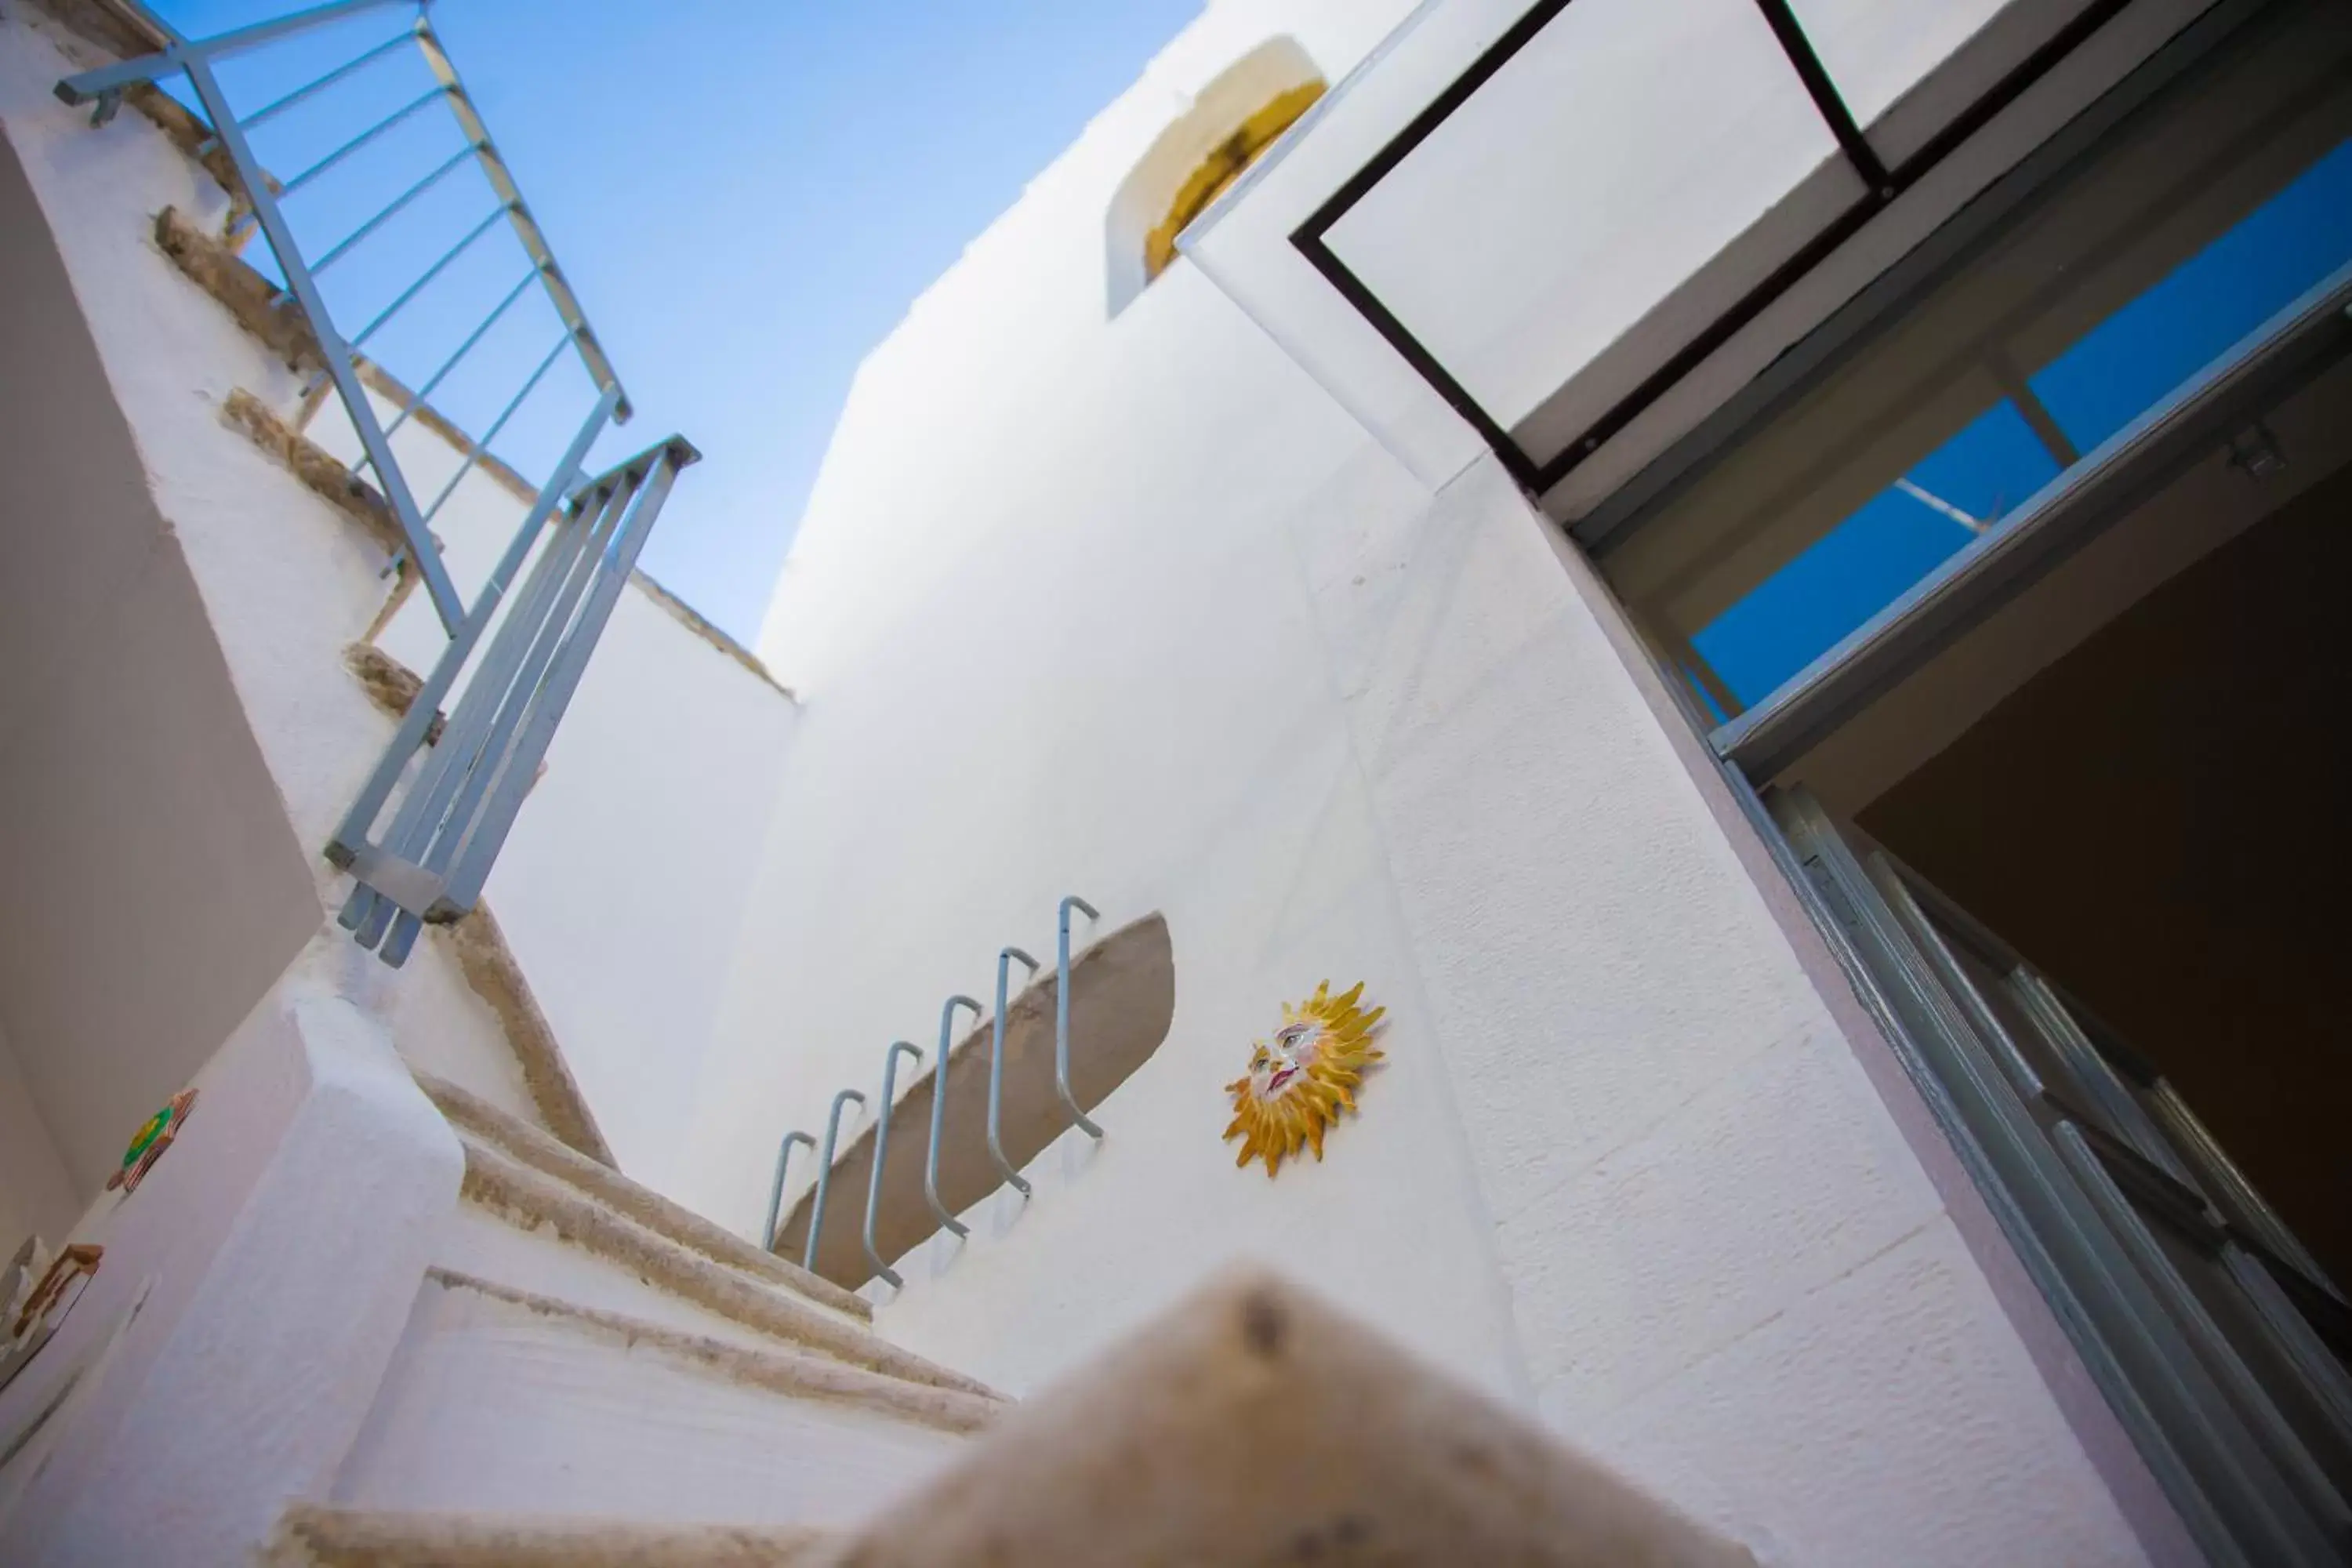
[1135,609]
[36,1193]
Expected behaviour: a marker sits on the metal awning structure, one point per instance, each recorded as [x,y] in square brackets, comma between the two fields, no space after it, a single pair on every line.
[1561,233]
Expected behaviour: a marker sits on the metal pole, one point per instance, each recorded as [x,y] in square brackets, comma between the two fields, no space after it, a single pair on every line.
[430,273]
[881,1150]
[776,1192]
[1062,1014]
[354,146]
[390,211]
[360,819]
[184,54]
[940,1110]
[824,1173]
[321,83]
[482,442]
[997,1069]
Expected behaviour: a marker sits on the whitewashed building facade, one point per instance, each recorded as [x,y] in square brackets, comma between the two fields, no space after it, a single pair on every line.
[1415,495]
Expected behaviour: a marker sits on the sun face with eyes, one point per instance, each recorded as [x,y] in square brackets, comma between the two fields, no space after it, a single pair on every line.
[1299,1081]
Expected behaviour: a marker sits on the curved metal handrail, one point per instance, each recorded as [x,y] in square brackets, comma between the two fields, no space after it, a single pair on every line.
[881,1150]
[997,1069]
[1062,1014]
[938,1111]
[825,1174]
[776,1192]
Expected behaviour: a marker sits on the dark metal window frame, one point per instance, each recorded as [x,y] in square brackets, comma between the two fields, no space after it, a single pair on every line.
[1882,185]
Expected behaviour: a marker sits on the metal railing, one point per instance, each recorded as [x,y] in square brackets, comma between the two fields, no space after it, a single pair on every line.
[430,864]
[886,1106]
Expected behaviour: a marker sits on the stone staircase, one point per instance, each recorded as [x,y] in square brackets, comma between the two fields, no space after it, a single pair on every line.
[584,1351]
[1251,1424]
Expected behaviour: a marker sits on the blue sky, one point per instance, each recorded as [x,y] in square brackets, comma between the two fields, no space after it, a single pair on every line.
[2099,384]
[747,196]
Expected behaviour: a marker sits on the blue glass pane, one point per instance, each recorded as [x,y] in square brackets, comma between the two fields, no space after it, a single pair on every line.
[1859,567]
[2134,358]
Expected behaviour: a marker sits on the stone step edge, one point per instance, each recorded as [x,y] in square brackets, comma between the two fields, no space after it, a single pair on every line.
[550,1156]
[312,1535]
[527,1200]
[797,1374]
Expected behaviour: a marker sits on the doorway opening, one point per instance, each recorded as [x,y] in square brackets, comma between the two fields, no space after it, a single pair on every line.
[2019,628]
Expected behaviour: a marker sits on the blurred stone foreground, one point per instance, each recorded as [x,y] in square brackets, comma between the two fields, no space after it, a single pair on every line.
[1254,1424]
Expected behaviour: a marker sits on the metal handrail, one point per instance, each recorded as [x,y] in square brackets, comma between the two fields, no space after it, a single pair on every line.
[1012,1174]
[881,1153]
[940,1110]
[1062,1014]
[430,863]
[776,1192]
[825,1174]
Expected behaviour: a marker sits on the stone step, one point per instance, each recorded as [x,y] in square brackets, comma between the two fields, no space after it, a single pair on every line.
[477,1121]
[499,1400]
[314,1537]
[525,1230]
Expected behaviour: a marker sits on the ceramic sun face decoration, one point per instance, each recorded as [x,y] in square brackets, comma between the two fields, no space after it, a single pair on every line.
[1300,1080]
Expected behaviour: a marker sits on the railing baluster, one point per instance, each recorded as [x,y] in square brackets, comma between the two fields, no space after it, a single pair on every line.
[357,822]
[426,277]
[881,1152]
[1062,1014]
[446,603]
[481,442]
[825,1174]
[333,77]
[358,141]
[418,399]
[494,719]
[996,1070]
[182,52]
[939,1111]
[776,1192]
[451,765]
[385,216]
[486,830]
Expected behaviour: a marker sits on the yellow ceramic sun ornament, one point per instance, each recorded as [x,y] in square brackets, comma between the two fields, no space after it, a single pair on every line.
[1299,1081]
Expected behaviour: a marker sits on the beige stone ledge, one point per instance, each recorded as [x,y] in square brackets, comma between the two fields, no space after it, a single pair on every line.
[315,1537]
[795,1374]
[531,1201]
[492,970]
[480,1120]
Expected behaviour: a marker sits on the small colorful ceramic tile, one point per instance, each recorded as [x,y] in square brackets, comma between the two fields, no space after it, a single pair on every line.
[153,1139]
[1301,1080]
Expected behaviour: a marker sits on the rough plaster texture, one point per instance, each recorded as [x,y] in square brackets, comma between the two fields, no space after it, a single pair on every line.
[275,1247]
[1236,663]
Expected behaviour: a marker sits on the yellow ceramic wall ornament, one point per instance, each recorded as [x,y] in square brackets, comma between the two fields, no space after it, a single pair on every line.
[1299,1081]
